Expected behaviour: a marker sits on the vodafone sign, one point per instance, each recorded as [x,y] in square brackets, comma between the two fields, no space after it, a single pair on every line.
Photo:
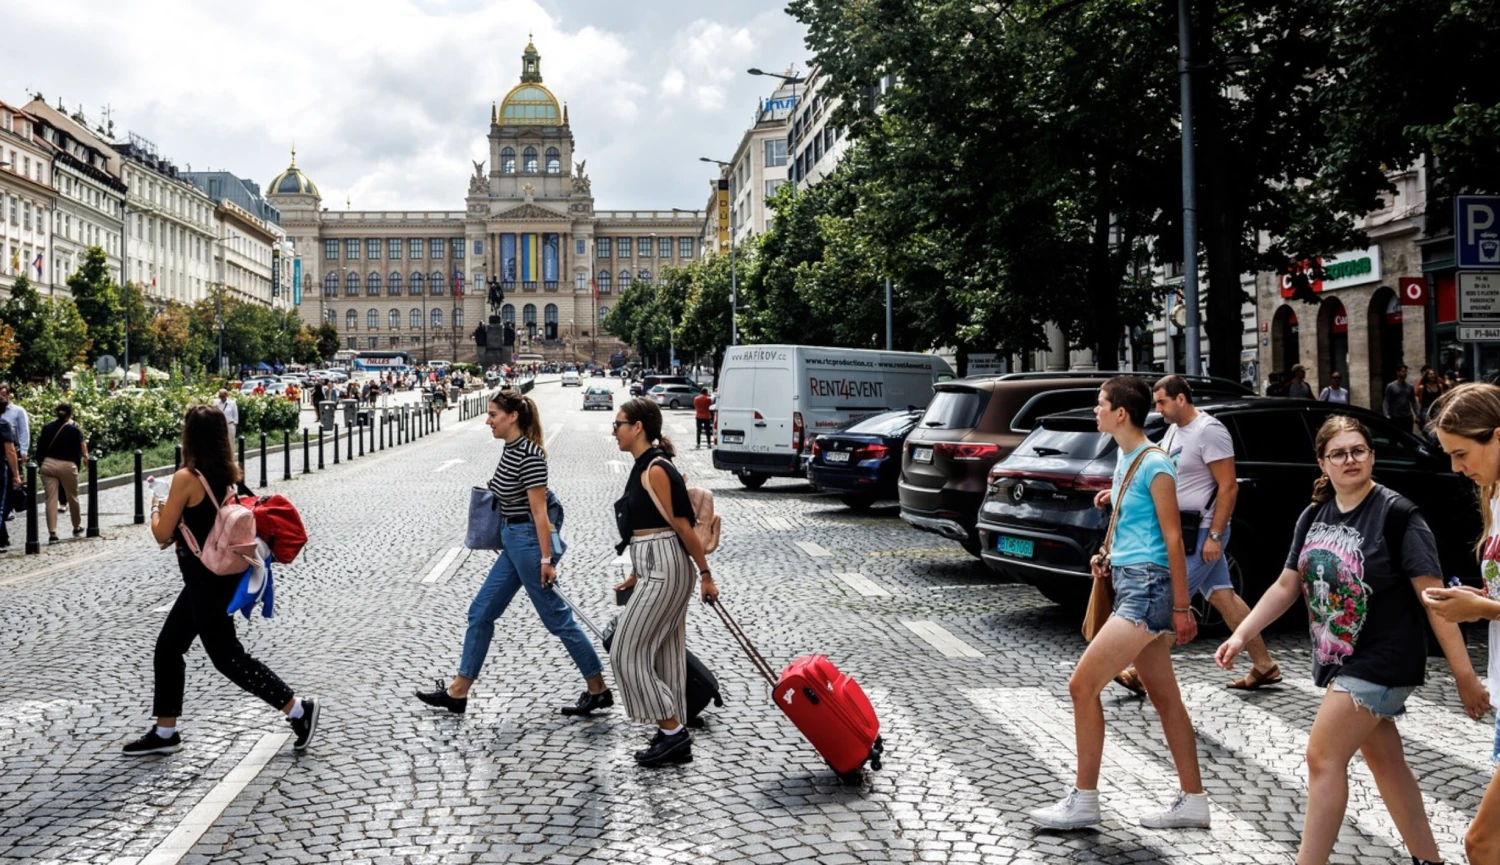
[1413,291]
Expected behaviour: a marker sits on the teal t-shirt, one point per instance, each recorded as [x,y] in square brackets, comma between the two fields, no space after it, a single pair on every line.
[1138,539]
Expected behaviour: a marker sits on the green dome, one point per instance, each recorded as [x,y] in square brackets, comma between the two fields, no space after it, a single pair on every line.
[530,105]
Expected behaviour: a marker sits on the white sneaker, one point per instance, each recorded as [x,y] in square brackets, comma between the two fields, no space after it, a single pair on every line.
[1188,811]
[1080,810]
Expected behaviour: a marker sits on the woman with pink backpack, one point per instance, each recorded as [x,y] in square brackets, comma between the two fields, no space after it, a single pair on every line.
[202,514]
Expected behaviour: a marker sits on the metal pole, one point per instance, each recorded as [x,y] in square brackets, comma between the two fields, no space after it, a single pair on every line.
[361,440]
[349,443]
[1189,195]
[263,481]
[321,436]
[286,455]
[734,291]
[380,432]
[242,454]
[93,527]
[306,464]
[140,500]
[335,444]
[888,343]
[33,541]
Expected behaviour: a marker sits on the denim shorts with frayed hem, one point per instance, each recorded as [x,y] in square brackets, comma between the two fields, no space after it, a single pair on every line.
[1381,700]
[1495,754]
[1143,596]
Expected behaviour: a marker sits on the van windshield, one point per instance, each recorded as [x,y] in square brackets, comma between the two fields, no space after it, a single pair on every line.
[955,408]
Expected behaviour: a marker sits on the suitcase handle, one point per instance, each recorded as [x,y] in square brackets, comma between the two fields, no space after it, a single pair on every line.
[582,616]
[757,660]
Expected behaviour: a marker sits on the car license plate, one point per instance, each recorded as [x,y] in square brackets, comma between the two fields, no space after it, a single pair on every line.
[1021,549]
[921,455]
[836,457]
[731,439]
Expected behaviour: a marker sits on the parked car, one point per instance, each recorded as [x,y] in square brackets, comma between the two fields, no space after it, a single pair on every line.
[975,422]
[275,388]
[1038,523]
[674,395]
[598,396]
[862,461]
[570,377]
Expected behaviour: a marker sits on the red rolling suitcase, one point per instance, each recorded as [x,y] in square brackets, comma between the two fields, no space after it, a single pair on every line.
[829,707]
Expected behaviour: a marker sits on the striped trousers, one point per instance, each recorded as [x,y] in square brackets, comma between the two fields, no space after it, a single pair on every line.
[649,652]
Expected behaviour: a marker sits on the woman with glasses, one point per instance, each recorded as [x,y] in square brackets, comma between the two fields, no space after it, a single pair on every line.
[527,561]
[1362,556]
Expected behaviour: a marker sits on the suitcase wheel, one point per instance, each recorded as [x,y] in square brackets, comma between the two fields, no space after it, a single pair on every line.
[852,778]
[876,751]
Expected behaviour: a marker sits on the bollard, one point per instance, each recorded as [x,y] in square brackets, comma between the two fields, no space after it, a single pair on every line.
[306,467]
[140,501]
[263,481]
[286,455]
[93,527]
[349,443]
[33,543]
[176,458]
[320,448]
[380,431]
[335,444]
[242,455]
[361,441]
[440,421]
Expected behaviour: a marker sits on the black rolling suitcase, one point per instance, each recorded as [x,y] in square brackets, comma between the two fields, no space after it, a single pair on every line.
[702,684]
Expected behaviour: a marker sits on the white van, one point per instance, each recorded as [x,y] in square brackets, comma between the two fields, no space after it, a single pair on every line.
[773,399]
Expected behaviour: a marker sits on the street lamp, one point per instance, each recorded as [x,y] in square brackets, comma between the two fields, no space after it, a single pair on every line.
[793,80]
[734,324]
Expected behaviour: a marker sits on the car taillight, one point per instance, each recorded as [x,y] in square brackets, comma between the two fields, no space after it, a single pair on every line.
[871,452]
[797,431]
[966,451]
[1082,483]
[817,448]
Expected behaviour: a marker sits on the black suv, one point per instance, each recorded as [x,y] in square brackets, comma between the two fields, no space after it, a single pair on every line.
[1038,522]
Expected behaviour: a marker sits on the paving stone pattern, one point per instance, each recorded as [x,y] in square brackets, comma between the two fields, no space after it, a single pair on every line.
[972,742]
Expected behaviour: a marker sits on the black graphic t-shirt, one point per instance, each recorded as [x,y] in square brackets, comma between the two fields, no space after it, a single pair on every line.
[1364,615]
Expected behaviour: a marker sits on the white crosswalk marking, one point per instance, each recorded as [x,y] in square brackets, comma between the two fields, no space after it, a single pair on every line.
[864,585]
[447,465]
[1132,784]
[942,639]
[812,549]
[444,564]
[1279,748]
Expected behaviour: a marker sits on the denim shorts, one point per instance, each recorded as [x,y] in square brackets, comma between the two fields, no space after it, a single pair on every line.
[1205,578]
[1381,700]
[1495,754]
[1143,596]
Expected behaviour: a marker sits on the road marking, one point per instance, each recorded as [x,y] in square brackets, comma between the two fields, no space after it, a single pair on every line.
[443,565]
[864,585]
[782,524]
[555,433]
[925,552]
[1142,784]
[1277,748]
[618,467]
[447,465]
[52,569]
[942,639]
[812,549]
[180,841]
[164,608]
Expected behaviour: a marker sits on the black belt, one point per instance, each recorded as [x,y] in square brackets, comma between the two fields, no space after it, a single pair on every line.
[521,519]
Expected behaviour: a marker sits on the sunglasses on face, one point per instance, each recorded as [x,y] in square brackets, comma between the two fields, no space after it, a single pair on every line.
[619,423]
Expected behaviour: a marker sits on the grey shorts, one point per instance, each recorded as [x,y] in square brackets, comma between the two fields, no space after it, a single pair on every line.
[1205,578]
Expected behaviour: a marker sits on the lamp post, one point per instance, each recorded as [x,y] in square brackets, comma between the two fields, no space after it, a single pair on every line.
[794,80]
[734,322]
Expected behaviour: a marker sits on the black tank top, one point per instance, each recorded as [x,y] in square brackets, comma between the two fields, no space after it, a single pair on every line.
[635,511]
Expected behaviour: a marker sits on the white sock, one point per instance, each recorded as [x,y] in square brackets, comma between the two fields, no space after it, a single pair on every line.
[166,732]
[296,709]
[675,731]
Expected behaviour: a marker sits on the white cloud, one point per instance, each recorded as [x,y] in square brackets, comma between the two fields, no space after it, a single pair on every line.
[388,100]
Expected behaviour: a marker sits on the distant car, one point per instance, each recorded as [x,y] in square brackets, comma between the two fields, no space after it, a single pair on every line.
[597,396]
[570,377]
[862,461]
[674,395]
[275,388]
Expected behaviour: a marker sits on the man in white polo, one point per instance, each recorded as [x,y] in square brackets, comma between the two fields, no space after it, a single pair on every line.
[231,410]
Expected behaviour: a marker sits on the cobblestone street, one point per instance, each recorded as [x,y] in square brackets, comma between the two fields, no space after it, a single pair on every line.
[968,674]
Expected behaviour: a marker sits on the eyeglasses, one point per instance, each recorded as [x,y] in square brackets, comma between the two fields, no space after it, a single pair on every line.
[1358,455]
[619,423]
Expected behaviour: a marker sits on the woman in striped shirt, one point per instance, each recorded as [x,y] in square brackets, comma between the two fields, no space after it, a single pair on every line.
[527,561]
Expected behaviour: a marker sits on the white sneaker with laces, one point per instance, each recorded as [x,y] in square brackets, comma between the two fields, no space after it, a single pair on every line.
[1078,811]
[1187,811]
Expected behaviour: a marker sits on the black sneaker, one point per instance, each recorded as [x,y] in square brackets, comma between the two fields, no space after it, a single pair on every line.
[306,727]
[588,703]
[443,700]
[667,749]
[153,744]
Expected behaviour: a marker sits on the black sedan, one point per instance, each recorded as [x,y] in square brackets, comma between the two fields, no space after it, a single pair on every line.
[862,461]
[1039,525]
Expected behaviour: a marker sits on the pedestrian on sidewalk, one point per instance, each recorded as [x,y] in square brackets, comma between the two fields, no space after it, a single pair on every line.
[1203,453]
[1362,556]
[705,417]
[1465,421]
[231,410]
[200,611]
[1149,572]
[526,561]
[20,422]
[10,471]
[62,453]
[656,519]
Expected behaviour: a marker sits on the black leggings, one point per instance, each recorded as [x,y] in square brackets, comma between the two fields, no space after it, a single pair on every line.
[705,431]
[199,613]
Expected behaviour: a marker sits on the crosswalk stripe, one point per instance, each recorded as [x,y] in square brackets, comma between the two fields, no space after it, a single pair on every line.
[864,585]
[1279,748]
[1141,784]
[442,565]
[812,549]
[942,639]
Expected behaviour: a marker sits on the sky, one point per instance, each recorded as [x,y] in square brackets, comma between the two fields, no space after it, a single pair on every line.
[388,101]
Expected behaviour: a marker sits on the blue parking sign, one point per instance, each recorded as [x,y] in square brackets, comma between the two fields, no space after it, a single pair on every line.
[1476,230]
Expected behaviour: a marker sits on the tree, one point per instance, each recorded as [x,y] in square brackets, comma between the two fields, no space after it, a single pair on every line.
[50,333]
[10,349]
[170,333]
[305,346]
[99,304]
[142,336]
[704,327]
[328,341]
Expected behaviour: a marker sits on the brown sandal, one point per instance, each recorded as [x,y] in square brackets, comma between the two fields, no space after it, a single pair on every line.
[1256,679]
[1131,680]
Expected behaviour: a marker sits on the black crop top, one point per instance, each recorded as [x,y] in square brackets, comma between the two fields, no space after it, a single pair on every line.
[635,512]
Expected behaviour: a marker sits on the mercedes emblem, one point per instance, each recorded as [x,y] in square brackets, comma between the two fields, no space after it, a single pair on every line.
[1018,492]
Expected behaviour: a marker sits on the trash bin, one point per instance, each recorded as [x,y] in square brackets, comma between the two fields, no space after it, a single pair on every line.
[453,395]
[350,407]
[364,417]
[325,414]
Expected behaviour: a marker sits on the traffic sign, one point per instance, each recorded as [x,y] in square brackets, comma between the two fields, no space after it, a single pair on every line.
[1479,296]
[106,364]
[1478,334]
[1413,291]
[1476,230]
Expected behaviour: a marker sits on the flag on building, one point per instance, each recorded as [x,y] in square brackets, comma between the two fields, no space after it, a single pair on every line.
[15,259]
[38,265]
[458,283]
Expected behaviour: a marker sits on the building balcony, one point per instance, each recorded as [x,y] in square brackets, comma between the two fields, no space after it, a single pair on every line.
[529,286]
[550,285]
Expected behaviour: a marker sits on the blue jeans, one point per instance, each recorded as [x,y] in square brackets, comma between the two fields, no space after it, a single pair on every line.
[520,564]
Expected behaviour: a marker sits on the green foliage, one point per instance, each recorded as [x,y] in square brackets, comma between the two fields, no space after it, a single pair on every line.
[99,304]
[170,333]
[305,346]
[142,334]
[328,341]
[49,332]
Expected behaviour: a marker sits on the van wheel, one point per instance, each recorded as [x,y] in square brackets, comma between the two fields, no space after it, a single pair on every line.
[857,502]
[752,481]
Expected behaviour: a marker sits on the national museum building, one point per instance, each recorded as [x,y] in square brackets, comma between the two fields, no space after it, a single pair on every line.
[418,281]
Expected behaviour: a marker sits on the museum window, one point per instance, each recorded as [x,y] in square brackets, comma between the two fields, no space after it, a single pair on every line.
[684,247]
[393,249]
[458,318]
[330,285]
[643,247]
[351,248]
[603,282]
[478,246]
[415,247]
[664,247]
[416,284]
[435,247]
[331,250]
[508,314]
[351,320]
[508,161]
[414,318]
[395,319]
[644,276]
[554,161]
[528,314]
[624,280]
[372,248]
[602,247]
[580,247]
[624,248]
[437,319]
[372,320]
[394,286]
[528,160]
[603,314]
[458,247]
[372,285]
[435,283]
[351,285]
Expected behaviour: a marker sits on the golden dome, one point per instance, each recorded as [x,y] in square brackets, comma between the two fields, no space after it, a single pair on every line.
[292,181]
[530,105]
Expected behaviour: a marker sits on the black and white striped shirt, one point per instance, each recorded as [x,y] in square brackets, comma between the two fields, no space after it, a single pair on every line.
[521,467]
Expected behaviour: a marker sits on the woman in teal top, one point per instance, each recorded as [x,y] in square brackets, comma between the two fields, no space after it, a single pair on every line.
[1148,568]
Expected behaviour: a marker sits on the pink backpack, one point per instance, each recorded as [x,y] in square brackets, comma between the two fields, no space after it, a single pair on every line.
[228,549]
[706,522]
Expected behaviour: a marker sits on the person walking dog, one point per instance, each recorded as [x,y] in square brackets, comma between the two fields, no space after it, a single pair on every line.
[208,476]
[655,519]
[527,561]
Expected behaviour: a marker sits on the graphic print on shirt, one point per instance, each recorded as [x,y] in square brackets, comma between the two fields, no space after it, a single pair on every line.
[1333,569]
[1489,566]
